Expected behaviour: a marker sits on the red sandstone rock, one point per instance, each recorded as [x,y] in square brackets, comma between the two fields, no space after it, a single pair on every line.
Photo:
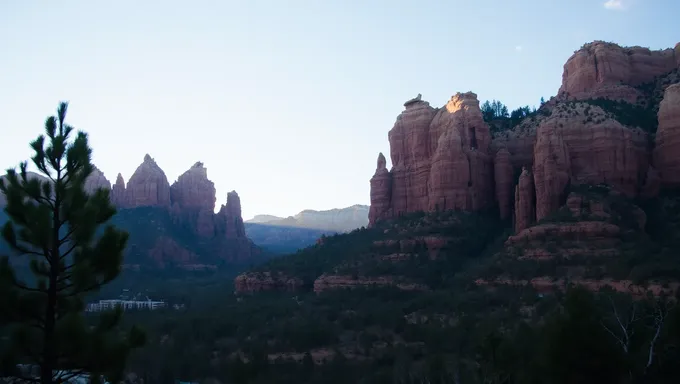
[230,215]
[410,152]
[440,160]
[602,69]
[194,196]
[579,144]
[148,186]
[667,151]
[524,201]
[96,180]
[265,281]
[381,191]
[118,192]
[193,189]
[503,174]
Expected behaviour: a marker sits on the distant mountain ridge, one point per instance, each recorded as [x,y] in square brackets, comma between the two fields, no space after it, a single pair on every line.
[337,219]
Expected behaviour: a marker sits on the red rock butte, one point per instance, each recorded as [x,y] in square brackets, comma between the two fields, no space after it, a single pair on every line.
[446,159]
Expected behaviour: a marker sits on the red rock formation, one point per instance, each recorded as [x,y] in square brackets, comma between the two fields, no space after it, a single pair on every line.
[667,151]
[602,69]
[381,191]
[503,177]
[410,152]
[148,186]
[96,180]
[265,281]
[524,201]
[118,192]
[440,160]
[193,189]
[193,198]
[579,144]
[230,215]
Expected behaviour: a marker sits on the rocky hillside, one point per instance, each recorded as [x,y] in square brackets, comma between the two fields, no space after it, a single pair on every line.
[610,127]
[176,225]
[336,220]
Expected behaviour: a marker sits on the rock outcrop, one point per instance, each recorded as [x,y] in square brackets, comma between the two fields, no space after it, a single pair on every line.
[580,144]
[440,160]
[118,192]
[381,191]
[230,219]
[265,281]
[667,150]
[96,180]
[601,69]
[148,186]
[193,200]
[443,159]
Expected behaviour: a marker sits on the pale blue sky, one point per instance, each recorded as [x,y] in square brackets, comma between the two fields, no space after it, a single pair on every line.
[287,102]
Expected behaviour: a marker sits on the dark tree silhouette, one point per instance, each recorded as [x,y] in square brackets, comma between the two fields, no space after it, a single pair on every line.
[54,224]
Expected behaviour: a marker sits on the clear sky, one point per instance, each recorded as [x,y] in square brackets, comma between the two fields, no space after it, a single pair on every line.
[286,102]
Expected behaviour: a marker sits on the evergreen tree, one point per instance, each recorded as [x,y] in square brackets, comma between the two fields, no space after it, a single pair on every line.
[54,224]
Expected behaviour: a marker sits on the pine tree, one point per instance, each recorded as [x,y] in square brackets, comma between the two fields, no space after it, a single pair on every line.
[54,223]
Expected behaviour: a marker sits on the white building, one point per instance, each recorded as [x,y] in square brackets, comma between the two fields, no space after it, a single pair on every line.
[125,305]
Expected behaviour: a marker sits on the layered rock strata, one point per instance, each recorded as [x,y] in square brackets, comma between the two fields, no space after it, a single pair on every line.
[601,69]
[440,160]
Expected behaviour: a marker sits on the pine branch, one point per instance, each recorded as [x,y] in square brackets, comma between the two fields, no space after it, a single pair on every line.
[66,237]
[27,288]
[68,252]
[59,378]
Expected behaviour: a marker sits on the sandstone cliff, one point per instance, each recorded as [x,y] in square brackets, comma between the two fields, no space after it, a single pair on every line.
[118,192]
[440,160]
[148,186]
[445,159]
[97,180]
[193,200]
[601,69]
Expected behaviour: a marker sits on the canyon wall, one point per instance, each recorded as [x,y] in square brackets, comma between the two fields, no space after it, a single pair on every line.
[441,160]
[444,159]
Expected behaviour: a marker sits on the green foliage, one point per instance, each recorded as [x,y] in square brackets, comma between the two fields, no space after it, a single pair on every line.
[54,223]
[496,115]
[643,117]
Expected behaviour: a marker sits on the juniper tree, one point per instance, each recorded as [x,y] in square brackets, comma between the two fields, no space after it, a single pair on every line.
[54,227]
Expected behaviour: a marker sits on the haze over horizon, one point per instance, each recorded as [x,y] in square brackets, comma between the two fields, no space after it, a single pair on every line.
[288,103]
